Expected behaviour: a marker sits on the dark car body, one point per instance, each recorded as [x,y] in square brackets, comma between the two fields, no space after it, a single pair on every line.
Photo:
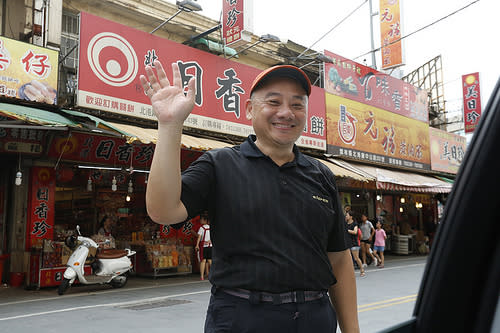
[459,291]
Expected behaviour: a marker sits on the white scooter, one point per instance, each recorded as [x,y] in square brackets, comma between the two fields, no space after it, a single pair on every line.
[110,265]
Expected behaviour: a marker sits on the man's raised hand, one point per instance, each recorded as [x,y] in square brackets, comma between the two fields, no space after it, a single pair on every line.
[170,104]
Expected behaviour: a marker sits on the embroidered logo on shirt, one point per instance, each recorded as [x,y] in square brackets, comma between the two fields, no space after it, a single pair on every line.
[320,198]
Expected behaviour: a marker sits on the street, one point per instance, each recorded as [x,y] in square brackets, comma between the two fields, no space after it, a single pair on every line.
[178,304]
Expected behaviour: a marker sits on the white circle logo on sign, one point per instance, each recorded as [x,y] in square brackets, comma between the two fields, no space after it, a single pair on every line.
[112,59]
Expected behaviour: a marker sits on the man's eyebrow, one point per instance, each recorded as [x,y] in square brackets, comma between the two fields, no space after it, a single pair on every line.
[276,94]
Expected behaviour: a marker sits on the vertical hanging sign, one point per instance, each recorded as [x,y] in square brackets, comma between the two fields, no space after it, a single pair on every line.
[390,34]
[472,101]
[41,207]
[236,21]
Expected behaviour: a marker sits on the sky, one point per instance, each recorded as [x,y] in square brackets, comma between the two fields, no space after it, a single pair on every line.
[462,39]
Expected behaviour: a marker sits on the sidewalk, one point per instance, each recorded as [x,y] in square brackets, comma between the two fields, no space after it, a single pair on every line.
[10,294]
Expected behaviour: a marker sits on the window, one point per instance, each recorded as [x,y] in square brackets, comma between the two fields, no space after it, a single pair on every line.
[69,40]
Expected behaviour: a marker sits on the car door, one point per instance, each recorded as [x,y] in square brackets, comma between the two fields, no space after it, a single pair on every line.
[459,291]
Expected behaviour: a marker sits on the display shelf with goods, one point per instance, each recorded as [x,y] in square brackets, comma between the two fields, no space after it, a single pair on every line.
[162,257]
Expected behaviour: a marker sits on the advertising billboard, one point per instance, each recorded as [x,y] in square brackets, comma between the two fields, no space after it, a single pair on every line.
[237,21]
[447,150]
[363,132]
[113,56]
[472,101]
[351,80]
[28,71]
[390,34]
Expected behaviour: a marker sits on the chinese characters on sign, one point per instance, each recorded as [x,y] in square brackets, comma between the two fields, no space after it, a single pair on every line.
[236,16]
[28,72]
[362,132]
[354,81]
[390,34]
[22,140]
[222,85]
[447,150]
[104,150]
[41,206]
[472,101]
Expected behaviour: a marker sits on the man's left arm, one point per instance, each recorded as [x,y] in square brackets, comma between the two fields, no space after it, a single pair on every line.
[343,293]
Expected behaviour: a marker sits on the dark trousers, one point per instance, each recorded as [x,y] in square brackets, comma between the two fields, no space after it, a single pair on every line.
[228,313]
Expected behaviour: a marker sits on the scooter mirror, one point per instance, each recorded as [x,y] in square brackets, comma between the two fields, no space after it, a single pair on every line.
[78,230]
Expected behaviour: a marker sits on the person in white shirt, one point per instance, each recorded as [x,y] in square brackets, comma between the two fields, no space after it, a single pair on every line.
[205,252]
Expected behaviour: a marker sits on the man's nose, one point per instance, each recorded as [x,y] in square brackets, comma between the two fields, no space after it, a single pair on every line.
[285,111]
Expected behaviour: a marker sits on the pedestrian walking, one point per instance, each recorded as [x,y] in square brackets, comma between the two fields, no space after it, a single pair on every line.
[379,246]
[352,230]
[277,227]
[367,233]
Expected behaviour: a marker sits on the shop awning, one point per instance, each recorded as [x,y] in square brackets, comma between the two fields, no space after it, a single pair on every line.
[392,180]
[343,172]
[150,135]
[36,116]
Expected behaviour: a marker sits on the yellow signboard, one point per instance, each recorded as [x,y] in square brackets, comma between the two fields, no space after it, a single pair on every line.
[28,71]
[447,150]
[363,132]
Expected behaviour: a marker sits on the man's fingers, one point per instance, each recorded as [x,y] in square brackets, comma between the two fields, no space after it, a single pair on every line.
[191,89]
[162,76]
[177,80]
[153,81]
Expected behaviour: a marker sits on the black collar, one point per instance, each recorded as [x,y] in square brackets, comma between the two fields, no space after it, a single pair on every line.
[250,149]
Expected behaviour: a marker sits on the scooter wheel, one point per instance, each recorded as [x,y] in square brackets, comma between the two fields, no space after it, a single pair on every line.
[119,281]
[63,287]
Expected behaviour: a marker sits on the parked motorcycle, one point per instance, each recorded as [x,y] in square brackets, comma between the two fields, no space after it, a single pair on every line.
[109,265]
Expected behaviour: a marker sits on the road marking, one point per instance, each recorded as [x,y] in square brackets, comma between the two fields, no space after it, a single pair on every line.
[95,292]
[380,270]
[387,303]
[103,305]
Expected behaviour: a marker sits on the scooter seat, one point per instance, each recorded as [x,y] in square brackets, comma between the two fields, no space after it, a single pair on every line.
[111,254]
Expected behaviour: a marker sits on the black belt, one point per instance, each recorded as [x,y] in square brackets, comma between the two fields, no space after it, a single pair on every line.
[255,297]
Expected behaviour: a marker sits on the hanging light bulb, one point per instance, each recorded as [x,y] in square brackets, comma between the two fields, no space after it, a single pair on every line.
[89,184]
[113,184]
[127,198]
[19,178]
[130,186]
[402,200]
[19,175]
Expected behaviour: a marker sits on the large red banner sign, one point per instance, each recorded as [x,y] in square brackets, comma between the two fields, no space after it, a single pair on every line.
[112,56]
[472,101]
[41,206]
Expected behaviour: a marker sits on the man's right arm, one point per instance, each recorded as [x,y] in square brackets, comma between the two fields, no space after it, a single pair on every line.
[171,107]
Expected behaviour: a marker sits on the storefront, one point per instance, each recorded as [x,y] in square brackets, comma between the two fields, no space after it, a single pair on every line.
[406,202]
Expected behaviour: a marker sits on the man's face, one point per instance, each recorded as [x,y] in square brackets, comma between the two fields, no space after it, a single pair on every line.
[278,112]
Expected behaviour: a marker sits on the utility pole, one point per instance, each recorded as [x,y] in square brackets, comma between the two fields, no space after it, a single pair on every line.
[374,62]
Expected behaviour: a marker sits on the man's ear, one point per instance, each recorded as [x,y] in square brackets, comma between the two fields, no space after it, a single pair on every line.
[249,109]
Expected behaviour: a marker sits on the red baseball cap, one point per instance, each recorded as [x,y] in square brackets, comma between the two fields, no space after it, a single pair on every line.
[289,71]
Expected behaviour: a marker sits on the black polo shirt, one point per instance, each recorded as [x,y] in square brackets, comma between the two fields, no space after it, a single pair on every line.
[271,227]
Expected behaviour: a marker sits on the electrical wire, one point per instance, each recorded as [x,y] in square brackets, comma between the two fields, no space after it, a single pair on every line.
[418,30]
[336,25]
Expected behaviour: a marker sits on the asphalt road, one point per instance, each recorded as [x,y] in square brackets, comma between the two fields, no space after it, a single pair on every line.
[178,304]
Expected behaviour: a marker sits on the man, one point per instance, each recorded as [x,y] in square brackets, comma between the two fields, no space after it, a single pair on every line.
[276,220]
